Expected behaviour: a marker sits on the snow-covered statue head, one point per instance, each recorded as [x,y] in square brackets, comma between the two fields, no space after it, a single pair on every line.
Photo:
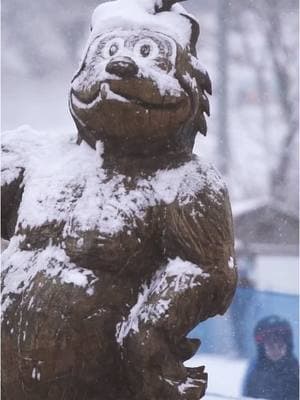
[121,243]
[140,88]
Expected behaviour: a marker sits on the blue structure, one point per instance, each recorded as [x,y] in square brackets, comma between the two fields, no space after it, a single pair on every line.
[232,334]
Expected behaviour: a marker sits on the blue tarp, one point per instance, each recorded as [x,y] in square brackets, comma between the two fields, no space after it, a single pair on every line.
[232,334]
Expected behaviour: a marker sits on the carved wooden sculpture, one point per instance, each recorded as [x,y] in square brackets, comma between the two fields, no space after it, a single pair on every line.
[121,243]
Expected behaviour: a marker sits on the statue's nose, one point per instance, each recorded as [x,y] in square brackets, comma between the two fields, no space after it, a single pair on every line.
[124,67]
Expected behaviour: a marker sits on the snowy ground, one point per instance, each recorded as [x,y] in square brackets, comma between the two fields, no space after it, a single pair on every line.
[225,375]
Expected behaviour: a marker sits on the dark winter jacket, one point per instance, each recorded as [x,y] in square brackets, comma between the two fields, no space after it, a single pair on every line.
[278,380]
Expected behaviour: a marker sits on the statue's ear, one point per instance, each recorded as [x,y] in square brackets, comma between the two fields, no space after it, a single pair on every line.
[166,5]
[195,32]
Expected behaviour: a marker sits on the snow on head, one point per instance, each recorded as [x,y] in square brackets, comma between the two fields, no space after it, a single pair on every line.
[121,30]
[120,45]
[137,14]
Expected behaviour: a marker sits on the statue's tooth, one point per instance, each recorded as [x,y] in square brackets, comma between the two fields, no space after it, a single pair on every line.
[205,104]
[104,90]
[201,124]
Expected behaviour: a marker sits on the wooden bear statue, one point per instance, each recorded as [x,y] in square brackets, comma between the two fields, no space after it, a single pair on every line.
[122,242]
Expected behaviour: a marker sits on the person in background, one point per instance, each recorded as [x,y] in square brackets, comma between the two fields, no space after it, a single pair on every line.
[274,374]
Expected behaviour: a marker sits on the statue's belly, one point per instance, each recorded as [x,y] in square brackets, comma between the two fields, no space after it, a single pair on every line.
[137,248]
[125,251]
[103,225]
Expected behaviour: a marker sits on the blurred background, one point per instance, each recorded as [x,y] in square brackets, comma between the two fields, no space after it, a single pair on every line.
[250,49]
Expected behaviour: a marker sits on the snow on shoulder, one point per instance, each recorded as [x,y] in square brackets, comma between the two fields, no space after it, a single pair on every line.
[21,150]
[137,14]
[66,183]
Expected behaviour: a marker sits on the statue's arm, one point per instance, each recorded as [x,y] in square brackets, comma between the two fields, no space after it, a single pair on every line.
[197,281]
[18,148]
[15,148]
[11,194]
[199,237]
[199,277]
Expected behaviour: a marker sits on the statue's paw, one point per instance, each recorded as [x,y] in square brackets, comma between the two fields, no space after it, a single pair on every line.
[194,386]
[156,369]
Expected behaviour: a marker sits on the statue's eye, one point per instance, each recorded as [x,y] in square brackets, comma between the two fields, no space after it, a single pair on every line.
[145,50]
[111,46]
[113,49]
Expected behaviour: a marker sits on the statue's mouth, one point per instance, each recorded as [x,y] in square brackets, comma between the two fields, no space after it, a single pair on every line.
[142,94]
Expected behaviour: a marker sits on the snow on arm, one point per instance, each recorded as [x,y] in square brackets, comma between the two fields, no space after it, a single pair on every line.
[199,230]
[154,300]
[199,225]
[200,258]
